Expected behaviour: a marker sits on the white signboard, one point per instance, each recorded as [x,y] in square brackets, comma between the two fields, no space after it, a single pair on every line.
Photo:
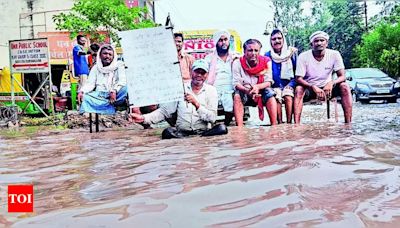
[153,73]
[29,56]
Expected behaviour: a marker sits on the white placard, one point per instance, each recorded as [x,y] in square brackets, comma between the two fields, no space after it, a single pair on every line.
[29,56]
[153,73]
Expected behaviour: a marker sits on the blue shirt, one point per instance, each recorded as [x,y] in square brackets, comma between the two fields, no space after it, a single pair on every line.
[80,62]
[276,73]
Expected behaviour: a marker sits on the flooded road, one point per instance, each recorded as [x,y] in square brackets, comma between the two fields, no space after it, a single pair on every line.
[320,173]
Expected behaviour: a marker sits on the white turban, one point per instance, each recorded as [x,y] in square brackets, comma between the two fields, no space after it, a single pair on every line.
[319,34]
[217,35]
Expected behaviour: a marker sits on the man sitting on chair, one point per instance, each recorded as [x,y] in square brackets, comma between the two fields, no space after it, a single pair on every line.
[252,80]
[106,85]
[314,76]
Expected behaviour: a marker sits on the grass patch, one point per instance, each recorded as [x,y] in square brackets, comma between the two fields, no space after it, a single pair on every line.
[56,120]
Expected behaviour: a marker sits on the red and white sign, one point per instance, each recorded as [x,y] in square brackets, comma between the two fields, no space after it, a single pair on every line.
[60,44]
[29,56]
[20,198]
[198,47]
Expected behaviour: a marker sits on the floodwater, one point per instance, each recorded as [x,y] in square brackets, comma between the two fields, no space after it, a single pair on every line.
[320,173]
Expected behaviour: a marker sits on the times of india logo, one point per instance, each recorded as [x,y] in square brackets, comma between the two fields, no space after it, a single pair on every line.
[20,198]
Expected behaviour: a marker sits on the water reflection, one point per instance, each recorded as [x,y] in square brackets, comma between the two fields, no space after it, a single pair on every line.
[287,175]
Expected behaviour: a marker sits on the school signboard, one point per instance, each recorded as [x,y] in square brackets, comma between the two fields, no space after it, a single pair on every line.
[29,56]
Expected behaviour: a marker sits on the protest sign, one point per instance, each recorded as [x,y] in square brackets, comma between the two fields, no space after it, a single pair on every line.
[153,73]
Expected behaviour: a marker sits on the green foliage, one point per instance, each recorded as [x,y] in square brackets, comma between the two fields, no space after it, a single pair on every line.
[341,19]
[381,48]
[346,28]
[390,13]
[91,16]
[319,20]
[288,14]
[394,16]
[289,17]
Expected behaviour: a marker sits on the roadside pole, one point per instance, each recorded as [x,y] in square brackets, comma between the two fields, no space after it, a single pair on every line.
[12,77]
[51,85]
[13,106]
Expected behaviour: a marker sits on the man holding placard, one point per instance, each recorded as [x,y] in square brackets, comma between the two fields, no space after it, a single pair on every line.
[195,114]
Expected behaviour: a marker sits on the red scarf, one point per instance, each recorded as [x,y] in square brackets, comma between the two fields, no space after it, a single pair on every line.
[257,71]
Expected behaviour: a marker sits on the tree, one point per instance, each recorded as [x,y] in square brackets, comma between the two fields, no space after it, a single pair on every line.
[345,28]
[341,19]
[381,49]
[394,15]
[290,17]
[318,20]
[91,16]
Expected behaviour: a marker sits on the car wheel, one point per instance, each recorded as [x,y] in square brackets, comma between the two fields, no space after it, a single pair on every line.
[392,100]
[364,101]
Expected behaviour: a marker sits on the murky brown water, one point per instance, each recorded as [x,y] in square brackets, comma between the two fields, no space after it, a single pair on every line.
[320,173]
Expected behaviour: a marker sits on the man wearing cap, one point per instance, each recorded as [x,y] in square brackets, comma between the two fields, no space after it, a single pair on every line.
[195,114]
[283,68]
[314,76]
[185,63]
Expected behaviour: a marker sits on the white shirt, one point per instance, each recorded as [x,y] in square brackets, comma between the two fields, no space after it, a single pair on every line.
[223,72]
[319,73]
[100,81]
[189,118]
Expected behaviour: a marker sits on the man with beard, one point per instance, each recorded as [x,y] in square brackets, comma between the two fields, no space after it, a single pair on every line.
[252,80]
[220,75]
[314,76]
[106,85]
[195,114]
[283,69]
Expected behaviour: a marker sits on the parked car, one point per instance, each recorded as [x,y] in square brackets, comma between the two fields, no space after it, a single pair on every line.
[372,84]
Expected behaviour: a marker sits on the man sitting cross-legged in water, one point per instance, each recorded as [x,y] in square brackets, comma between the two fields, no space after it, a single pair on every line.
[195,114]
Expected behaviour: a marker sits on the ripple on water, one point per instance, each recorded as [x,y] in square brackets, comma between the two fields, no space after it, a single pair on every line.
[320,172]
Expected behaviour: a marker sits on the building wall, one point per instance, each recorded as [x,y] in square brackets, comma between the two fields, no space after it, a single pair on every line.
[24,19]
[142,3]
[132,3]
[18,22]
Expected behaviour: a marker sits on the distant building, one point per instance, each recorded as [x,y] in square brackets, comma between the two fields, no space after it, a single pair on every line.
[132,3]
[25,19]
[143,3]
